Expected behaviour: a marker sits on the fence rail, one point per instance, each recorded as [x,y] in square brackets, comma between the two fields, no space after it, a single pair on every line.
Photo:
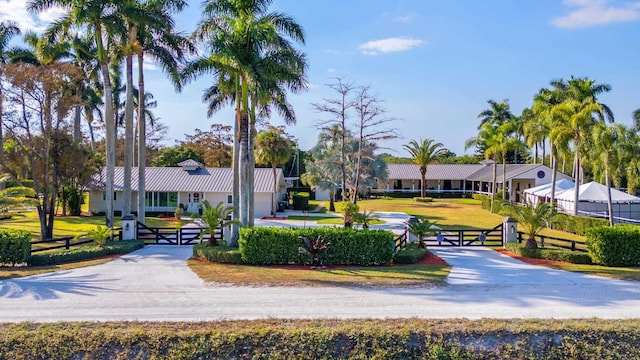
[68,242]
[173,236]
[555,242]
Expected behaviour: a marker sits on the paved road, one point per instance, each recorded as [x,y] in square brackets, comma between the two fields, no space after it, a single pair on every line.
[155,284]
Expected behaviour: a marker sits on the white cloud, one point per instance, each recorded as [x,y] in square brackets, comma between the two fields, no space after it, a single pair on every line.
[404,19]
[596,12]
[388,45]
[16,10]
[150,65]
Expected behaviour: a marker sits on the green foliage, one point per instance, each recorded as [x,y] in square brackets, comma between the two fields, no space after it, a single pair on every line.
[214,218]
[177,213]
[349,211]
[325,339]
[14,183]
[72,198]
[220,254]
[84,253]
[300,201]
[174,155]
[262,245]
[423,199]
[365,218]
[614,246]
[15,246]
[574,257]
[100,235]
[316,250]
[409,255]
[532,218]
[576,224]
[420,229]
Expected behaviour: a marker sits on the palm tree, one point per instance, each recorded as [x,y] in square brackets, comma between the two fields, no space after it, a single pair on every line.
[423,154]
[272,148]
[214,218]
[533,219]
[8,30]
[498,113]
[605,140]
[97,17]
[420,229]
[488,138]
[579,112]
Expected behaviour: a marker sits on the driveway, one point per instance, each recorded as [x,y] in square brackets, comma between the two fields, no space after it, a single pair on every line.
[155,284]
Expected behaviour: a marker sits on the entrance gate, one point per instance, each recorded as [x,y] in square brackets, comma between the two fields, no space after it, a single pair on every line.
[172,236]
[467,237]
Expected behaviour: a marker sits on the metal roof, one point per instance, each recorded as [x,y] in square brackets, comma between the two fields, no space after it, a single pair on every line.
[189,163]
[176,179]
[434,171]
[512,172]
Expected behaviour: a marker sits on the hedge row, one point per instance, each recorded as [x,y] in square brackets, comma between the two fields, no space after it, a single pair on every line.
[574,257]
[15,246]
[326,339]
[576,224]
[300,201]
[615,246]
[86,252]
[221,254]
[409,255]
[270,246]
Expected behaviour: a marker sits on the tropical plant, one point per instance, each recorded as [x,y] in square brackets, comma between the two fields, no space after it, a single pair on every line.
[605,140]
[425,152]
[349,211]
[214,218]
[100,234]
[273,148]
[533,218]
[365,218]
[315,249]
[421,229]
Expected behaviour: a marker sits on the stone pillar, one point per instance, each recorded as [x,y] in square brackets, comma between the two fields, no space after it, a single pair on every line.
[129,227]
[509,230]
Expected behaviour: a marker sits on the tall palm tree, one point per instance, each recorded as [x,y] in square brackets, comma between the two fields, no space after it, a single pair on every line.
[425,152]
[97,17]
[496,114]
[272,148]
[605,140]
[8,30]
[489,139]
[579,112]
[241,36]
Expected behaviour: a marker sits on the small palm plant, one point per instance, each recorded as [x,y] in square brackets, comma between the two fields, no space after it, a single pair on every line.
[214,218]
[349,211]
[421,229]
[315,249]
[365,218]
[533,219]
[99,235]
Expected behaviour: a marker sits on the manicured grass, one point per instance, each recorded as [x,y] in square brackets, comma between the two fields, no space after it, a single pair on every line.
[7,272]
[313,205]
[312,218]
[348,276]
[338,221]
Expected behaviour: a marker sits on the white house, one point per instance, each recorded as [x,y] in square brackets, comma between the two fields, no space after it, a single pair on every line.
[466,178]
[190,183]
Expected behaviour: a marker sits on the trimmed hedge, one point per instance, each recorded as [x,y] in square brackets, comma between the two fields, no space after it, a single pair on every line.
[569,256]
[277,246]
[409,255]
[300,201]
[615,246]
[326,339]
[15,246]
[576,224]
[86,252]
[423,199]
[411,194]
[220,254]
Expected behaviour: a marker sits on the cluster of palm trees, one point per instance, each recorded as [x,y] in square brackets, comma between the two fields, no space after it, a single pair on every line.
[570,118]
[248,49]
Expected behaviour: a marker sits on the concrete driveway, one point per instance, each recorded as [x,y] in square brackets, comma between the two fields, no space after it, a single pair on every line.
[155,284]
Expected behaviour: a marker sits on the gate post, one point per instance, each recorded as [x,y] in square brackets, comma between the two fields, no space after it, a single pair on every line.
[129,227]
[509,230]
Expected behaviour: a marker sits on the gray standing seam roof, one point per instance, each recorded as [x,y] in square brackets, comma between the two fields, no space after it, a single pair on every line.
[176,179]
[434,171]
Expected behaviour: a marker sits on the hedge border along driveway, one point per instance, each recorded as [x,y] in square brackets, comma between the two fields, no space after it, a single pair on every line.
[155,284]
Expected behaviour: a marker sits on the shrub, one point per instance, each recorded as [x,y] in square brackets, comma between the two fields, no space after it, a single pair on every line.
[423,199]
[409,255]
[349,211]
[614,246]
[84,253]
[220,254]
[262,245]
[15,246]
[300,201]
[574,257]
[100,235]
[576,224]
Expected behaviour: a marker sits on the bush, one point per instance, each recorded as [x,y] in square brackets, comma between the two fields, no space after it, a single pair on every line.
[300,201]
[220,254]
[81,253]
[409,255]
[614,246]
[262,245]
[423,199]
[569,256]
[576,224]
[15,246]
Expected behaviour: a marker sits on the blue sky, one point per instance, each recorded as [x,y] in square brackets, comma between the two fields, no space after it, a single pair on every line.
[434,63]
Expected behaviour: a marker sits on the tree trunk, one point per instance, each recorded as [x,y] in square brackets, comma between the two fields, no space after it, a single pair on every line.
[494,183]
[244,156]
[252,166]
[128,138]
[423,180]
[235,228]
[535,154]
[531,243]
[142,141]
[554,173]
[577,181]
[608,184]
[332,200]
[1,129]
[275,191]
[504,176]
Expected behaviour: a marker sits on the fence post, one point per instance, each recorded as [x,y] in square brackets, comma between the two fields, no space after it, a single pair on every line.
[541,241]
[67,242]
[573,245]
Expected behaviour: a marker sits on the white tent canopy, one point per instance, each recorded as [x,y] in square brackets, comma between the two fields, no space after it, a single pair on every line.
[592,201]
[542,192]
[597,192]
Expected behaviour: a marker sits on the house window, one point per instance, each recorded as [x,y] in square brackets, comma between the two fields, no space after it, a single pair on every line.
[196,197]
[148,199]
[161,199]
[104,195]
[229,199]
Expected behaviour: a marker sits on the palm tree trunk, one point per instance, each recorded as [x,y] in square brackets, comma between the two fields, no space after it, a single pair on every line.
[554,172]
[608,184]
[76,123]
[235,228]
[252,166]
[423,180]
[244,156]
[1,130]
[577,181]
[544,152]
[142,141]
[494,183]
[535,154]
[275,191]
[504,176]
[128,138]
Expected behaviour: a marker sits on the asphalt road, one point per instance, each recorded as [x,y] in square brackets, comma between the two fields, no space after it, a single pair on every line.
[155,284]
